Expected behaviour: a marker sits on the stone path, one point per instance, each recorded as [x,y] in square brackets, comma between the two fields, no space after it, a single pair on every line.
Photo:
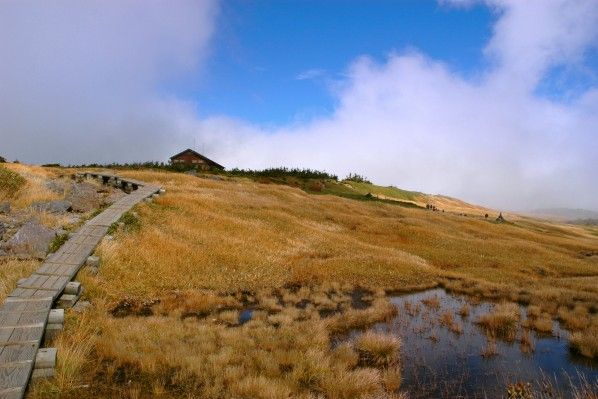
[24,314]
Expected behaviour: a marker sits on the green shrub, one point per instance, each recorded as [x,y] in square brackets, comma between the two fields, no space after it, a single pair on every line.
[354,177]
[283,172]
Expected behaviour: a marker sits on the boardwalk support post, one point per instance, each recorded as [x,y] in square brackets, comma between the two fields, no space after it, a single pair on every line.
[45,361]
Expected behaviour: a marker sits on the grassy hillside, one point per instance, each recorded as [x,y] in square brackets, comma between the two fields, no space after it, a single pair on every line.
[10,183]
[22,185]
[175,278]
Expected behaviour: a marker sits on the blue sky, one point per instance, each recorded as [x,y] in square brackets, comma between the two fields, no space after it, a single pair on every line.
[491,101]
[261,48]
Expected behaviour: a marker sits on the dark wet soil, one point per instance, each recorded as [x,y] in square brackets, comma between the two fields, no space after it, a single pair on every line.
[130,307]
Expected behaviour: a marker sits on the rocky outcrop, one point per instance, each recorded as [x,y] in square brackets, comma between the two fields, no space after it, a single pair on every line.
[57,207]
[4,208]
[84,197]
[32,239]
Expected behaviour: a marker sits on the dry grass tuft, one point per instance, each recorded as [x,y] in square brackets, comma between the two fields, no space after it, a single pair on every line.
[586,342]
[432,302]
[526,342]
[542,324]
[360,383]
[378,349]
[501,321]
[392,378]
[464,310]
[447,319]
[490,349]
[381,310]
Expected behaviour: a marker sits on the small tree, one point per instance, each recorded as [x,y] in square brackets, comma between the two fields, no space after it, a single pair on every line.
[357,178]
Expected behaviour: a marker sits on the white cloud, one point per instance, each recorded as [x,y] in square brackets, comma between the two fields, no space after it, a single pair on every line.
[411,121]
[310,74]
[82,81]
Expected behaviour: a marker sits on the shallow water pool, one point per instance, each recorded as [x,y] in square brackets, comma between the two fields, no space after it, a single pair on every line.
[440,363]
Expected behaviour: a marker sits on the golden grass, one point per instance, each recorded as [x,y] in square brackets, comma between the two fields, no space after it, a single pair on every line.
[576,319]
[11,270]
[542,324]
[34,188]
[208,249]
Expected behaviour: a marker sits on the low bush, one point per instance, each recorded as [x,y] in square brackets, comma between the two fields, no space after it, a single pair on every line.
[354,177]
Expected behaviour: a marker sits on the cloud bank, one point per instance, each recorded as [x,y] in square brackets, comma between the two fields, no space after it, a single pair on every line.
[84,81]
[409,121]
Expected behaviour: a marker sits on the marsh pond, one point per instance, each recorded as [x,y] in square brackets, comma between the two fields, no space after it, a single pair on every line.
[446,352]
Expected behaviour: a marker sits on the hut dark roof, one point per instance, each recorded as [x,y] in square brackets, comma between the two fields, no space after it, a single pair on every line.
[198,155]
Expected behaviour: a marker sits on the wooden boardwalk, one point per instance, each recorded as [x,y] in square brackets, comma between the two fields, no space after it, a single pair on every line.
[24,314]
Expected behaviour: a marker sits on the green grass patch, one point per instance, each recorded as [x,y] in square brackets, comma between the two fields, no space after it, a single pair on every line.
[58,241]
[390,191]
[130,223]
[10,182]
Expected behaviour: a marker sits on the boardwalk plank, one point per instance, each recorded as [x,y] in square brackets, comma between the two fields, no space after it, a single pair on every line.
[18,353]
[14,319]
[22,334]
[14,376]
[13,393]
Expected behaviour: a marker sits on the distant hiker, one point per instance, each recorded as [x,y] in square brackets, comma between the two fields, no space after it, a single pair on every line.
[486,216]
[500,218]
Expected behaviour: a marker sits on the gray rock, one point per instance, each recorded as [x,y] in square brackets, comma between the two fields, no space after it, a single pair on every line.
[81,306]
[84,197]
[57,207]
[4,207]
[93,261]
[58,186]
[67,301]
[2,229]
[32,239]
